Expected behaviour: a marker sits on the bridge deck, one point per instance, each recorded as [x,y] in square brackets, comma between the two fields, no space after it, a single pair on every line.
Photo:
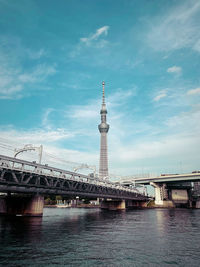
[192,177]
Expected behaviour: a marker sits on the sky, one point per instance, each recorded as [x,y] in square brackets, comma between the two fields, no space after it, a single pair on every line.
[54,56]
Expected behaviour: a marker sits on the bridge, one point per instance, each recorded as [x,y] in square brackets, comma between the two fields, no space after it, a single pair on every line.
[192,177]
[172,189]
[33,181]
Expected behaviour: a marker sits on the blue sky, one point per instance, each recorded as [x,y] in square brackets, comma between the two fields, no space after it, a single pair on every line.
[54,56]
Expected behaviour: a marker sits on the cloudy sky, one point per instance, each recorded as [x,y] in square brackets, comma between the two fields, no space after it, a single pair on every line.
[54,56]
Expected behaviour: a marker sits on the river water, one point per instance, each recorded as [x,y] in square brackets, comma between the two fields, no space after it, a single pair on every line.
[92,237]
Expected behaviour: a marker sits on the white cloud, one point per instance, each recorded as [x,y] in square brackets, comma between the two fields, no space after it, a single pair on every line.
[162,155]
[194,91]
[120,96]
[186,122]
[178,28]
[12,82]
[101,31]
[179,142]
[94,40]
[86,112]
[16,81]
[36,136]
[197,46]
[161,95]
[40,73]
[9,92]
[45,118]
[9,86]
[175,69]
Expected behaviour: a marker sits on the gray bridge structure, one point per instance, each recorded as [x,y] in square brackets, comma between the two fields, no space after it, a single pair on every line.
[173,190]
[26,183]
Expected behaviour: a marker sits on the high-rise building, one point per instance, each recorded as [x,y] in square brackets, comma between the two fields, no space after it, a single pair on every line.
[103,129]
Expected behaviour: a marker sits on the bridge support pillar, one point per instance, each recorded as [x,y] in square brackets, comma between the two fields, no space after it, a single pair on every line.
[159,193]
[170,197]
[161,196]
[113,204]
[134,204]
[198,204]
[22,205]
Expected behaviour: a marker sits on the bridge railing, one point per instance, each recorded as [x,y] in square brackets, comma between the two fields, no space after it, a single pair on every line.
[39,169]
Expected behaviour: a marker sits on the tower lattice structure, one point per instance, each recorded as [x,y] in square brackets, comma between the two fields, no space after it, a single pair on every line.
[103,129]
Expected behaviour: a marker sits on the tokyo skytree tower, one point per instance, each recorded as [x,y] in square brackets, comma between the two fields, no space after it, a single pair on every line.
[103,129]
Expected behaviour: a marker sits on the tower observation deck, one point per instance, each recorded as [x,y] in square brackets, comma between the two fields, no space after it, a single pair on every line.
[103,129]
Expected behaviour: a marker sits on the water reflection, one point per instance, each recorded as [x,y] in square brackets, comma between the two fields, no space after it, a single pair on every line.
[91,237]
[19,228]
[179,220]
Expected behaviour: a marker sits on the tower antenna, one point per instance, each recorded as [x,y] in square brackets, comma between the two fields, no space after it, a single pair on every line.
[103,100]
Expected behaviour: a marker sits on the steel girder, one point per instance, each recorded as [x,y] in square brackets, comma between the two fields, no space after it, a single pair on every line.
[26,182]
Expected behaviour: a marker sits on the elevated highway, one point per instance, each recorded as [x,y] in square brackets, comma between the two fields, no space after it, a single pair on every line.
[188,177]
[172,190]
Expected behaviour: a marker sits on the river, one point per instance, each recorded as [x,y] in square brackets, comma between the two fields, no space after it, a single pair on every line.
[92,237]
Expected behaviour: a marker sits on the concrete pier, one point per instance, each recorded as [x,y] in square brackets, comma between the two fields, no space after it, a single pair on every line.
[171,196]
[135,204]
[198,204]
[122,204]
[113,204]
[22,205]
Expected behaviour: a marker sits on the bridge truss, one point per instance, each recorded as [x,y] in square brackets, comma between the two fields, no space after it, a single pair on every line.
[19,176]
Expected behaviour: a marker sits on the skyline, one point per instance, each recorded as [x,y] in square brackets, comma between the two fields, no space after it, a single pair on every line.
[54,57]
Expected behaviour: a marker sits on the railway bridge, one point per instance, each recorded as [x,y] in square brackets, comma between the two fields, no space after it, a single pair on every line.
[32,181]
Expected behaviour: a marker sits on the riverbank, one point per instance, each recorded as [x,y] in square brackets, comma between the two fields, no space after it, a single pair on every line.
[89,206]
